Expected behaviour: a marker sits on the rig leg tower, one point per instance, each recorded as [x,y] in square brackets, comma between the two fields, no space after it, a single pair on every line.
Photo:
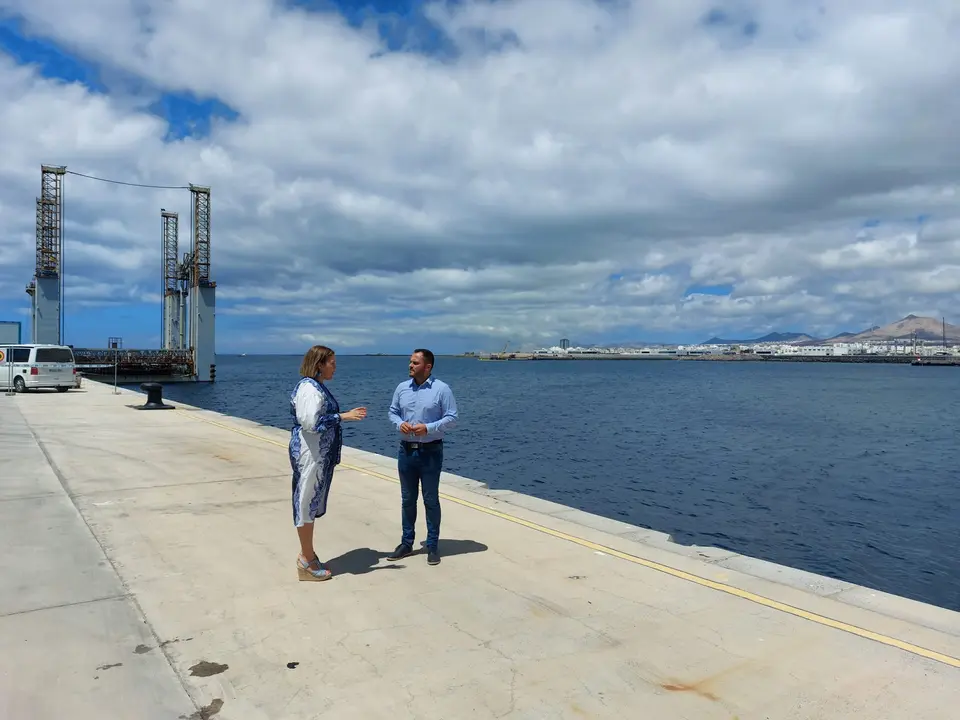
[46,288]
[174,285]
[202,290]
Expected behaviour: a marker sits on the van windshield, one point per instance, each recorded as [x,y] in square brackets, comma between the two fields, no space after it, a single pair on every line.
[54,355]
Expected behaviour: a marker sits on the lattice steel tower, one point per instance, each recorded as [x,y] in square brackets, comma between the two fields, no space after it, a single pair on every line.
[46,289]
[202,289]
[174,323]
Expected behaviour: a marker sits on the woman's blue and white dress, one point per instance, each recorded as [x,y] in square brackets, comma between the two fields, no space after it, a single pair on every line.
[316,440]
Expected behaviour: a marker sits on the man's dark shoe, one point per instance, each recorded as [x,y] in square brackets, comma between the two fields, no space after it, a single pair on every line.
[401,552]
[433,557]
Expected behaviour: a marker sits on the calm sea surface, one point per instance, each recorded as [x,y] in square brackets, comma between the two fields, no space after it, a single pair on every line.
[847,471]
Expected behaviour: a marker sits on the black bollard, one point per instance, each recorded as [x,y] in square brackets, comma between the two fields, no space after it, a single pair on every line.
[154,397]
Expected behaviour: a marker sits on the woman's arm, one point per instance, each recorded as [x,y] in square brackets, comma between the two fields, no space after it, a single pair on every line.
[311,408]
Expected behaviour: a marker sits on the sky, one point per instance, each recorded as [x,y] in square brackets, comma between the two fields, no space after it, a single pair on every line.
[464,174]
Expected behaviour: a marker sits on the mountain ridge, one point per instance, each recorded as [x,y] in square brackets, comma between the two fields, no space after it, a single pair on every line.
[908,328]
[923,328]
[787,337]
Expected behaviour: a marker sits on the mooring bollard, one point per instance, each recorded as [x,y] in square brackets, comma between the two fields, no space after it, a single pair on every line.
[154,393]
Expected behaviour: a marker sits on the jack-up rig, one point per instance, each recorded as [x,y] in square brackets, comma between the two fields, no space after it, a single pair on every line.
[188,337]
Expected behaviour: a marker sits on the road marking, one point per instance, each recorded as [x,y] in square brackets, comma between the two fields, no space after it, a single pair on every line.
[681,574]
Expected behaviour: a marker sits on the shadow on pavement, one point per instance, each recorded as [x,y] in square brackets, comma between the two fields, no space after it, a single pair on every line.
[364,560]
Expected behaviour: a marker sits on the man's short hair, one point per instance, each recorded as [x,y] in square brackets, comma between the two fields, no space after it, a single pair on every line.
[427,355]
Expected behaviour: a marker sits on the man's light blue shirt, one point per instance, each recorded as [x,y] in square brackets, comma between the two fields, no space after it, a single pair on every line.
[432,404]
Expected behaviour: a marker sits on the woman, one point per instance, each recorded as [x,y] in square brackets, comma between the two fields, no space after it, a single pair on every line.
[315,443]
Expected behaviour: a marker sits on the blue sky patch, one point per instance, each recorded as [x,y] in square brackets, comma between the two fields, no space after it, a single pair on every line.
[739,23]
[401,24]
[709,290]
[189,116]
[875,222]
[52,61]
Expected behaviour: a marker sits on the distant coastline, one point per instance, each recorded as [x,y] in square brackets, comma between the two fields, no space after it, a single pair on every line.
[861,359]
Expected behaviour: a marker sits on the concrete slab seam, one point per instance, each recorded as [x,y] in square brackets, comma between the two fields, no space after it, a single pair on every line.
[675,572]
[59,606]
[37,496]
[127,592]
[167,486]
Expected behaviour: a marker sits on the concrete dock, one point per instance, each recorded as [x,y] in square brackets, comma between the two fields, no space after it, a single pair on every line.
[150,575]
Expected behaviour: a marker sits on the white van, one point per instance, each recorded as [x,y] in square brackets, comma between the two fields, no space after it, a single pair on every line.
[26,367]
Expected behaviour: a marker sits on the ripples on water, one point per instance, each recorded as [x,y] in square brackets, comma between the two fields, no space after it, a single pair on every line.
[846,471]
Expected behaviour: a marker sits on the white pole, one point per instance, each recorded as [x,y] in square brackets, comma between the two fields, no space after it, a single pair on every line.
[9,361]
[116,353]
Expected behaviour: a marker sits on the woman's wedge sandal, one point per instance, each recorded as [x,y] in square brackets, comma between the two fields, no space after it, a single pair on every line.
[313,571]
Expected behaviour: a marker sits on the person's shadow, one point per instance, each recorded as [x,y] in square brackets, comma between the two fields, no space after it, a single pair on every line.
[364,560]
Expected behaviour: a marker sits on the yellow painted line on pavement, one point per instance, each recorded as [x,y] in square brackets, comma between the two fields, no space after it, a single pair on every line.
[681,574]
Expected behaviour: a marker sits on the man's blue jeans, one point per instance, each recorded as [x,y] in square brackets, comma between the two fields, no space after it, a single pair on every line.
[420,467]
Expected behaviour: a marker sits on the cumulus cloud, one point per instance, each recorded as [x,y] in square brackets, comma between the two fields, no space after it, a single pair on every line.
[483,170]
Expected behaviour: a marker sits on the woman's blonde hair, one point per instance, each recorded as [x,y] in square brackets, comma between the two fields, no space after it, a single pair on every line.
[315,358]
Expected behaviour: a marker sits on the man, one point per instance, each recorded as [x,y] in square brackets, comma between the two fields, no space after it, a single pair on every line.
[423,408]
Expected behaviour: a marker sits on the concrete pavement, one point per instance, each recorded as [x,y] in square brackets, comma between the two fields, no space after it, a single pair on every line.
[153,577]
[69,628]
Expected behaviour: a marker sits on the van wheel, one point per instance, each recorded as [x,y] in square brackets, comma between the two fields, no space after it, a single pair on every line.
[19,385]
[62,389]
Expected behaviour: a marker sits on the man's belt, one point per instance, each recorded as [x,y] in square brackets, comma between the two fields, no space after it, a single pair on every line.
[415,445]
